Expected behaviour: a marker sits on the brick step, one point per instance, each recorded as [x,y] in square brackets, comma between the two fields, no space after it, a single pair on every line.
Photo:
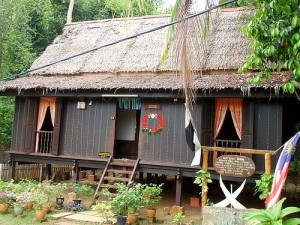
[119,171]
[121,179]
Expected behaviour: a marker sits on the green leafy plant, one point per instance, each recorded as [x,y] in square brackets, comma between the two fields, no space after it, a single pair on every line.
[274,33]
[24,185]
[82,191]
[152,195]
[276,215]
[264,185]
[6,197]
[119,205]
[134,197]
[59,189]
[127,199]
[295,167]
[40,199]
[104,207]
[201,176]
[177,219]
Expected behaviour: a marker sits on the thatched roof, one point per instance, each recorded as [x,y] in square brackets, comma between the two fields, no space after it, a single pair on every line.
[153,82]
[227,49]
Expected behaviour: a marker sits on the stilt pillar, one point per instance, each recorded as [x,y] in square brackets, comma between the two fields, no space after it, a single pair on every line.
[178,188]
[149,177]
[48,171]
[268,163]
[75,168]
[204,183]
[12,168]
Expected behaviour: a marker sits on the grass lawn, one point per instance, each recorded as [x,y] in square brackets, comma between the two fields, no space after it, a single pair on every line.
[28,218]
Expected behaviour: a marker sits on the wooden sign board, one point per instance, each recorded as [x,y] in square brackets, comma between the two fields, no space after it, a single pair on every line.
[234,166]
[104,154]
[153,106]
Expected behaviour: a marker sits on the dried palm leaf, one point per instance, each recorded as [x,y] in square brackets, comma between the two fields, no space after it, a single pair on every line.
[189,39]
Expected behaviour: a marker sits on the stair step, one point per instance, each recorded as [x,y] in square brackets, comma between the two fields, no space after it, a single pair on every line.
[108,186]
[123,162]
[119,171]
[122,179]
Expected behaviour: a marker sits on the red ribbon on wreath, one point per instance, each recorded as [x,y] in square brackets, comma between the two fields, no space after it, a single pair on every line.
[156,129]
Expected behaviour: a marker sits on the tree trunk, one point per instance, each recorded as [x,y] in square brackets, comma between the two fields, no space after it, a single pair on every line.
[70,11]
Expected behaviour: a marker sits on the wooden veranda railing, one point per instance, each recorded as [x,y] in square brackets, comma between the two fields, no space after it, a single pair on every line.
[44,141]
[207,149]
[228,143]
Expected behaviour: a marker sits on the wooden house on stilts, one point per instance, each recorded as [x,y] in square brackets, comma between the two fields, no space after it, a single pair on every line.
[114,99]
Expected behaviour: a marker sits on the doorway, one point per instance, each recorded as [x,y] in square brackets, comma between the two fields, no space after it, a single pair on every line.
[127,133]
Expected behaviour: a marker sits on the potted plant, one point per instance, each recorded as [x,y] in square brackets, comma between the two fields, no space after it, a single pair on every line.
[5,200]
[20,201]
[40,200]
[25,186]
[58,191]
[104,207]
[134,199]
[82,191]
[119,204]
[151,198]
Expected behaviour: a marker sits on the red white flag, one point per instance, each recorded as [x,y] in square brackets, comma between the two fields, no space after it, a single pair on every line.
[281,171]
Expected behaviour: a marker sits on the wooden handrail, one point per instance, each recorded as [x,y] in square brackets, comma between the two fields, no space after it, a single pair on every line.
[102,178]
[134,169]
[237,150]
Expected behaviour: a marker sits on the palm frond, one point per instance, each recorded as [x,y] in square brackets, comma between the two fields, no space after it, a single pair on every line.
[188,41]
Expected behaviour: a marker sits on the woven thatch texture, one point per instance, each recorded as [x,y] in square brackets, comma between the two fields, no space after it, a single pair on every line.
[151,82]
[226,48]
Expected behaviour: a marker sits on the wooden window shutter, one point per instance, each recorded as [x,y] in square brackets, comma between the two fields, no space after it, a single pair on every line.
[248,125]
[29,125]
[207,123]
[56,128]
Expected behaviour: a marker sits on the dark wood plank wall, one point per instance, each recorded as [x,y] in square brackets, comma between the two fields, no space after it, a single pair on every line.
[25,119]
[85,132]
[169,146]
[248,124]
[267,128]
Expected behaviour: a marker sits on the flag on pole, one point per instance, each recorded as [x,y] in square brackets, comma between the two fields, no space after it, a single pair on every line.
[281,171]
[192,137]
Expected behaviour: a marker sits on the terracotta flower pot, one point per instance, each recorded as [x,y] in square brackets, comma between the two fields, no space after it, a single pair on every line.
[40,214]
[92,177]
[4,208]
[194,202]
[132,217]
[47,208]
[28,205]
[151,213]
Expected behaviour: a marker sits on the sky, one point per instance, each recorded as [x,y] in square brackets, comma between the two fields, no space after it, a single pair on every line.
[199,4]
[168,3]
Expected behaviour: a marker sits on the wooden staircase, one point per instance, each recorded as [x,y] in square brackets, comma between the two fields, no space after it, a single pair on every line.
[116,170]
